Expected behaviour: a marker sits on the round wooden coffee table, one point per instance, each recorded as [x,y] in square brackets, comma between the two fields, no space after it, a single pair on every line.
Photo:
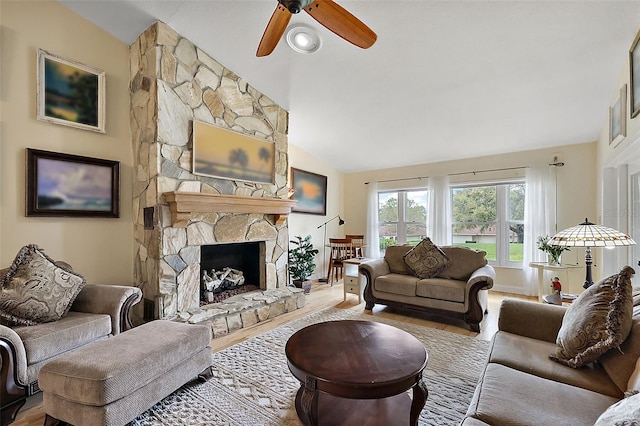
[352,371]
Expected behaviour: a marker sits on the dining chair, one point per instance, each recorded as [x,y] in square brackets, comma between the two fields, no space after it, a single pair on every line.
[341,249]
[357,244]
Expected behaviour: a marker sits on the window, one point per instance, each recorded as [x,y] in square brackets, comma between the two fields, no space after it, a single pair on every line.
[490,218]
[402,217]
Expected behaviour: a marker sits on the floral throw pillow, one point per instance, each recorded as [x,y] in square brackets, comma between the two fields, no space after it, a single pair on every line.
[426,260]
[625,412]
[598,320]
[36,290]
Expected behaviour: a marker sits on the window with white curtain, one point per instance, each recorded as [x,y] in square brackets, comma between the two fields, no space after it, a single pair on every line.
[402,217]
[490,217]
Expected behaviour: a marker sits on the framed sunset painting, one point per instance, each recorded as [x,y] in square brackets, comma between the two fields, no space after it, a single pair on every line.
[310,192]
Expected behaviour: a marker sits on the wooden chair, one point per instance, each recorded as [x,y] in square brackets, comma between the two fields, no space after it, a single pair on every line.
[341,249]
[357,243]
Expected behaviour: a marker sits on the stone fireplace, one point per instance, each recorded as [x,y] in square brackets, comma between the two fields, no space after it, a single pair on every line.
[177,212]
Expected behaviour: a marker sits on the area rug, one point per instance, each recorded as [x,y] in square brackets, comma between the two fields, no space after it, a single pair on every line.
[252,384]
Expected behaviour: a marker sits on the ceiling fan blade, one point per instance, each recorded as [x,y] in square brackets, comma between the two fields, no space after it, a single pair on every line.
[341,22]
[275,28]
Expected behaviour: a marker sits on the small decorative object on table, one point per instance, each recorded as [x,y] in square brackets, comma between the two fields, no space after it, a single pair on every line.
[554,252]
[556,285]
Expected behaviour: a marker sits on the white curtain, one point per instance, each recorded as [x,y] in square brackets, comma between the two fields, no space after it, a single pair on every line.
[539,220]
[373,236]
[439,212]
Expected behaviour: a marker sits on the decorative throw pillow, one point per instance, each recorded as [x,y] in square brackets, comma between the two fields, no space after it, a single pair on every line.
[598,320]
[625,412]
[37,290]
[464,261]
[426,260]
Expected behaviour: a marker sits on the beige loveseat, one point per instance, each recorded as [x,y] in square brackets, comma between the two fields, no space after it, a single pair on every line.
[521,385]
[98,311]
[459,290]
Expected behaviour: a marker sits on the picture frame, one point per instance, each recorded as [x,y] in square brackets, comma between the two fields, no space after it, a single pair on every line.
[226,154]
[634,72]
[65,185]
[310,192]
[70,93]
[618,118]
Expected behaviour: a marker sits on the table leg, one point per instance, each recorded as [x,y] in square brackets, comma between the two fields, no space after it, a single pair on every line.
[307,402]
[540,284]
[420,394]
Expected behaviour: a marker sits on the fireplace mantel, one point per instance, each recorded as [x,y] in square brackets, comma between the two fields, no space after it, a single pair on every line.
[182,204]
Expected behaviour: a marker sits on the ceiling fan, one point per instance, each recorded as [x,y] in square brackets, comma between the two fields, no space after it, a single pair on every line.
[328,13]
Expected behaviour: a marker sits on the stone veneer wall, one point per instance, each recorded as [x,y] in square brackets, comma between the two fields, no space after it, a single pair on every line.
[173,83]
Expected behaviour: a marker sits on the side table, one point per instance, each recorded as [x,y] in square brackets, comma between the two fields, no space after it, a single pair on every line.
[544,266]
[352,282]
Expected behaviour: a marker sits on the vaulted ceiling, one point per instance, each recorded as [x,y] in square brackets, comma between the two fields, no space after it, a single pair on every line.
[445,79]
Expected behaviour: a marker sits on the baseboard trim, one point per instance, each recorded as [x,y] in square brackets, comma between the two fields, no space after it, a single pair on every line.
[508,289]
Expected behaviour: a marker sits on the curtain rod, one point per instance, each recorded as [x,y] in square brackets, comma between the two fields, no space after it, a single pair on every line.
[397,180]
[490,170]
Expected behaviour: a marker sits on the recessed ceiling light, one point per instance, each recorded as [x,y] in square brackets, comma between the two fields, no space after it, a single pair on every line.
[303,38]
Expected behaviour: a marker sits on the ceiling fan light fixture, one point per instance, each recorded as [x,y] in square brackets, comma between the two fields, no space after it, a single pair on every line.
[303,39]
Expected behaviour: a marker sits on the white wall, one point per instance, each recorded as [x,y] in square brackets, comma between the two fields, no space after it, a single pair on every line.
[99,249]
[307,224]
[614,162]
[576,195]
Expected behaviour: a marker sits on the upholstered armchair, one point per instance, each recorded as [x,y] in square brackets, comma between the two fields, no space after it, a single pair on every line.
[98,312]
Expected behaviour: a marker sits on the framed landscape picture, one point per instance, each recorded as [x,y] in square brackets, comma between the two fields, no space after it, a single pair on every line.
[310,192]
[70,185]
[618,118]
[226,154]
[70,93]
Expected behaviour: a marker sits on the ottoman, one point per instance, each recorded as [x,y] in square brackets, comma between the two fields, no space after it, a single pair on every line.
[112,381]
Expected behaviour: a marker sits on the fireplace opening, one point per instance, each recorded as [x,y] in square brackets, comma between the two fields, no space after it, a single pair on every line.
[230,269]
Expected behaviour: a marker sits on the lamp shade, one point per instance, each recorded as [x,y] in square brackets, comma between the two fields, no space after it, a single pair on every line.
[588,234]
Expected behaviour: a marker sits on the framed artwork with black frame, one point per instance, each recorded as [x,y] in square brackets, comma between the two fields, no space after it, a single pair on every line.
[70,93]
[71,185]
[310,192]
[634,65]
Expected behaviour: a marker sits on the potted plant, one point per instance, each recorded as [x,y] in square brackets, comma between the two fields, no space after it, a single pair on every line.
[302,261]
[553,252]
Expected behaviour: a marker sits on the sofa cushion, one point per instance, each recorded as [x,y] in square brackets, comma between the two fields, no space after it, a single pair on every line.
[531,356]
[50,339]
[506,396]
[624,412]
[426,260]
[36,290]
[442,289]
[393,255]
[598,320]
[397,284]
[463,262]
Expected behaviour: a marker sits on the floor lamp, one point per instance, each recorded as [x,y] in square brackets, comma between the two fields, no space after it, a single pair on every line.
[324,244]
[590,235]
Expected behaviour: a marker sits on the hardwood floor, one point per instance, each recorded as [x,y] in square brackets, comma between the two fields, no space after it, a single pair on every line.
[323,296]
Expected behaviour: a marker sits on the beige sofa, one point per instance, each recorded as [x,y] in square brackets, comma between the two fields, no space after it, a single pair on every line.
[99,311]
[460,290]
[521,385]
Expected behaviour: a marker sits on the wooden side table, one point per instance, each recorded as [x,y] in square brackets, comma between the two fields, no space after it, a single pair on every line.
[352,282]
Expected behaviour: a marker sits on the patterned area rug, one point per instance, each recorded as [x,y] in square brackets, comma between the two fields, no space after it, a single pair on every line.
[252,384]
